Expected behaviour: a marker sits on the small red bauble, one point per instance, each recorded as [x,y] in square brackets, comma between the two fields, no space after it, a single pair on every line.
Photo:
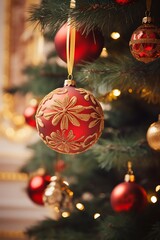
[29,113]
[128,196]
[87,47]
[69,120]
[60,166]
[123,2]
[145,43]
[36,187]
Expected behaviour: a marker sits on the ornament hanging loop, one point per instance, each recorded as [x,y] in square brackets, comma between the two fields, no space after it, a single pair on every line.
[147,18]
[129,177]
[148,5]
[70,43]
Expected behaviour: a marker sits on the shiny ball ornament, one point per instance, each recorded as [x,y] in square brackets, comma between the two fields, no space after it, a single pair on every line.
[145,42]
[36,187]
[69,120]
[87,47]
[128,196]
[57,197]
[153,135]
[124,2]
[29,113]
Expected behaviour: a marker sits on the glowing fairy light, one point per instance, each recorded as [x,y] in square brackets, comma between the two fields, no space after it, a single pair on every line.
[115,35]
[157,188]
[153,199]
[97,215]
[65,214]
[116,92]
[80,206]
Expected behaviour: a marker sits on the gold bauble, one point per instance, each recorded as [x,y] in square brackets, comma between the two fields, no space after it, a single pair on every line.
[153,135]
[58,197]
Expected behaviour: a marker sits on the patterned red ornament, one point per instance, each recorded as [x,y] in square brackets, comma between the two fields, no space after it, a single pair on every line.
[145,42]
[69,120]
[123,2]
[87,47]
[36,187]
[29,113]
[128,196]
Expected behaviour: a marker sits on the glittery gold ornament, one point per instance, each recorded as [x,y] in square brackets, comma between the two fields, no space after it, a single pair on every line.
[153,135]
[58,197]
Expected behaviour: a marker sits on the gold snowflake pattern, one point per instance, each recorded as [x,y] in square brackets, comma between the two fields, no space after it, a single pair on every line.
[87,95]
[62,143]
[64,111]
[98,117]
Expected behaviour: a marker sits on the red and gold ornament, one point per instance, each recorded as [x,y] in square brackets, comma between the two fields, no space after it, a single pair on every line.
[37,185]
[128,196]
[29,113]
[145,42]
[69,119]
[87,47]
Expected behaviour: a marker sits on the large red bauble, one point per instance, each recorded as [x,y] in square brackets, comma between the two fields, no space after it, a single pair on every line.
[128,196]
[123,2]
[29,114]
[87,47]
[36,187]
[69,120]
[145,43]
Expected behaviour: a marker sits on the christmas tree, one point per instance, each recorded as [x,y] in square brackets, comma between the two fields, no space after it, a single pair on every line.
[126,82]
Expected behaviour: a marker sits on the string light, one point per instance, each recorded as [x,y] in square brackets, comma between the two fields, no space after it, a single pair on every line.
[115,35]
[104,53]
[116,92]
[153,199]
[80,206]
[97,215]
[65,214]
[157,188]
[130,90]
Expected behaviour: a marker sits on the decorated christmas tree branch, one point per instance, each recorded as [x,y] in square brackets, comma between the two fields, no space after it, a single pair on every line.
[123,73]
[87,14]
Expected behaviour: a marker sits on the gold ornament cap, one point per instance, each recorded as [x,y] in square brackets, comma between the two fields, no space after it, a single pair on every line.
[69,82]
[129,177]
[147,19]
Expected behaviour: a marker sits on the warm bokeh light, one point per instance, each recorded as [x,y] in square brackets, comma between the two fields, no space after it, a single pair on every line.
[157,188]
[65,214]
[153,199]
[96,215]
[116,92]
[80,206]
[115,35]
[104,53]
[130,90]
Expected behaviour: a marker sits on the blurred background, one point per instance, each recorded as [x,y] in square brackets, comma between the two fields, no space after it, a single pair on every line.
[20,45]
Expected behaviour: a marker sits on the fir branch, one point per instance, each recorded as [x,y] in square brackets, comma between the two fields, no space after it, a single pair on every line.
[155,232]
[115,153]
[43,79]
[88,15]
[114,228]
[123,73]
[78,226]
